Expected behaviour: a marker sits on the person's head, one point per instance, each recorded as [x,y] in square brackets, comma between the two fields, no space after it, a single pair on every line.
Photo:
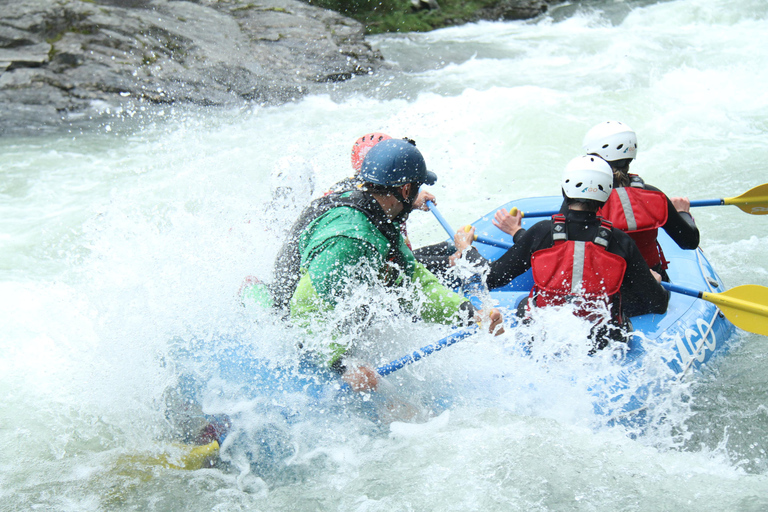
[616,143]
[587,181]
[396,167]
[364,144]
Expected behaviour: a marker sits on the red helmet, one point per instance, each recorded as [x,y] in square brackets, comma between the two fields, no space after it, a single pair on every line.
[363,145]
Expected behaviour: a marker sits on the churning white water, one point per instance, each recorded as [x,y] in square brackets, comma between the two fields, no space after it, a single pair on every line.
[123,245]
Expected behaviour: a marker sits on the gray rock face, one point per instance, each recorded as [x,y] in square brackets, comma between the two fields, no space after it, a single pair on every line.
[514,10]
[63,59]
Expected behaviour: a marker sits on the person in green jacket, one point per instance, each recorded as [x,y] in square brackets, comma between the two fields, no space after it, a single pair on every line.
[354,237]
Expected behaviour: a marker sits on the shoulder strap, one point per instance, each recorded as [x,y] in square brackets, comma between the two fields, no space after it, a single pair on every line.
[636,181]
[559,233]
[604,233]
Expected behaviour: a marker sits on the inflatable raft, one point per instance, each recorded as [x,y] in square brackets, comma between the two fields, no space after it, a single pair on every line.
[693,329]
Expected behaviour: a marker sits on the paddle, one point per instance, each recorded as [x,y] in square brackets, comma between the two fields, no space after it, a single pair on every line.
[424,351]
[754,201]
[479,238]
[745,306]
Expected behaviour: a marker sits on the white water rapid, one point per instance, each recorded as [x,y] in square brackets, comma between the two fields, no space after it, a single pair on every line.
[123,244]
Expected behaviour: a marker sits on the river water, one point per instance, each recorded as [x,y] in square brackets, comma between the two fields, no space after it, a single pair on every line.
[124,243]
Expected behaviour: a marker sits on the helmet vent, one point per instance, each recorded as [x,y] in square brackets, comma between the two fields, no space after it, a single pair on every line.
[620,146]
[605,146]
[579,184]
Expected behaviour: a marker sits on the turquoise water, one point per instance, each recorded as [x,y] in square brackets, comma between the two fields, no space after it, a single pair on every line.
[123,240]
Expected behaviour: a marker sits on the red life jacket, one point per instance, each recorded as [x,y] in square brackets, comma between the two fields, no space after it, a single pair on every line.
[639,213]
[581,272]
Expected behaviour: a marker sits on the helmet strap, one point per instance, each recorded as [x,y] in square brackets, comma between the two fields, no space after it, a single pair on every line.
[406,202]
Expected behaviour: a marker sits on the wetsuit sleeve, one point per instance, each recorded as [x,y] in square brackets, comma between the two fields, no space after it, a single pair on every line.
[640,293]
[442,305]
[518,258]
[435,257]
[680,226]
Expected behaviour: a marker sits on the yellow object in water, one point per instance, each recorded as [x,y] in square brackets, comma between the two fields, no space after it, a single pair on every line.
[187,457]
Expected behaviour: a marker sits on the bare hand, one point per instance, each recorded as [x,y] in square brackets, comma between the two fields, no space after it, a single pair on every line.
[497,325]
[496,320]
[361,378]
[681,204]
[508,223]
[421,201]
[656,276]
[463,238]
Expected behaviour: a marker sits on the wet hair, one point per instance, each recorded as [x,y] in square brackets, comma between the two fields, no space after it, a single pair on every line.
[591,205]
[620,170]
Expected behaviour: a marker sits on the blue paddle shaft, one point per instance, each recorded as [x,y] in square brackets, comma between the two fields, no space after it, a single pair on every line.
[707,202]
[424,351]
[440,218]
[496,243]
[679,289]
[479,238]
[700,202]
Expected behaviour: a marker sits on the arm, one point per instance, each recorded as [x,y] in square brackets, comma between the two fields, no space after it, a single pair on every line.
[680,225]
[513,262]
[517,259]
[442,304]
[641,293]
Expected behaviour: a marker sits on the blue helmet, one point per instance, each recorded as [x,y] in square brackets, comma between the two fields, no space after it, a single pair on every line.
[395,162]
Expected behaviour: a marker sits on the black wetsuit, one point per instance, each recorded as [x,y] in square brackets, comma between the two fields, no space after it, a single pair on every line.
[680,225]
[640,293]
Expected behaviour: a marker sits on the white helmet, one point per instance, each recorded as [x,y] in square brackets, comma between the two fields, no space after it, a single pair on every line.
[611,140]
[588,177]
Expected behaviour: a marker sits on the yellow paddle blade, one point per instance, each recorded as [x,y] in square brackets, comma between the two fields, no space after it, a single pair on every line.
[754,201]
[745,306]
[185,456]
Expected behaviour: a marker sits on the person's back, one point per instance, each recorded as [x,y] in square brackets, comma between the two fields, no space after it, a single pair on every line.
[635,207]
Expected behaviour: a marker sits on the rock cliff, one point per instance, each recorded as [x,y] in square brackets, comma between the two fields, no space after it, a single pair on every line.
[64,59]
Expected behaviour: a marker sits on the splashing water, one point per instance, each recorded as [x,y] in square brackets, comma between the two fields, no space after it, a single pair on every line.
[123,250]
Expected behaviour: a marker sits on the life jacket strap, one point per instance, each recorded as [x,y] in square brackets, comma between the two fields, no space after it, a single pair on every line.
[636,181]
[559,233]
[579,255]
[626,206]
